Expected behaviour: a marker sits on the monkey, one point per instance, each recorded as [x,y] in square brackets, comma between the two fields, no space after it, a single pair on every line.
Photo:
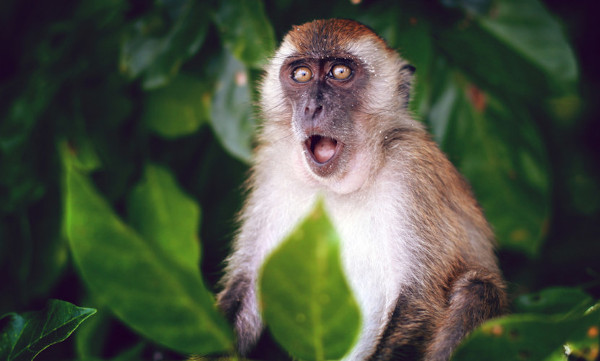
[416,248]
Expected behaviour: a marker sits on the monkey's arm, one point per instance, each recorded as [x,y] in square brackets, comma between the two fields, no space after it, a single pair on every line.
[238,303]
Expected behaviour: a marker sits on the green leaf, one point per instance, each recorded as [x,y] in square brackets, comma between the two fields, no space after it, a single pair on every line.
[179,108]
[246,30]
[529,29]
[84,154]
[553,301]
[159,44]
[231,115]
[500,152]
[159,298]
[162,213]
[534,337]
[307,303]
[516,48]
[24,336]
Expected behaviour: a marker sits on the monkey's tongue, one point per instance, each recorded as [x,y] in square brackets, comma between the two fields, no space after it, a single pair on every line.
[323,148]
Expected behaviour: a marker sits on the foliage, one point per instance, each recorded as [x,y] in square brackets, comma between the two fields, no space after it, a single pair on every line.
[122,120]
[547,329]
[24,336]
[161,279]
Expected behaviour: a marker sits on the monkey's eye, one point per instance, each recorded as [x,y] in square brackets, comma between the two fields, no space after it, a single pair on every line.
[302,74]
[341,72]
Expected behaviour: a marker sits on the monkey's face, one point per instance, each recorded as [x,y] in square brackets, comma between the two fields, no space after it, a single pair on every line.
[337,88]
[324,96]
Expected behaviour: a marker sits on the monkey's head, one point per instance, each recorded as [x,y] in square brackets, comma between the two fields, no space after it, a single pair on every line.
[338,90]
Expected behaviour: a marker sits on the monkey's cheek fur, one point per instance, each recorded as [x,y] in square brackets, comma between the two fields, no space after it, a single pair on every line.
[322,154]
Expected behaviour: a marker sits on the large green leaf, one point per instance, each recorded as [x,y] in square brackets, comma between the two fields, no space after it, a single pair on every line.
[231,113]
[162,213]
[179,108]
[516,48]
[553,301]
[24,336]
[246,30]
[535,337]
[531,31]
[307,303]
[160,43]
[145,287]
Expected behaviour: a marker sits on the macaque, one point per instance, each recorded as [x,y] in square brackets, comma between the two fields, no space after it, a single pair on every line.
[416,248]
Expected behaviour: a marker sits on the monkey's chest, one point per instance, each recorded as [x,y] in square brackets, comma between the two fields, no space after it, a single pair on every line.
[376,264]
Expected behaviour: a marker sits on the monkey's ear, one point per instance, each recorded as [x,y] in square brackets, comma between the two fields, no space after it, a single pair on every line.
[409,69]
[406,75]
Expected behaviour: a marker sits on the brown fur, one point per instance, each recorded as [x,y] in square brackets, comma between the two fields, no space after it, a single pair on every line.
[313,37]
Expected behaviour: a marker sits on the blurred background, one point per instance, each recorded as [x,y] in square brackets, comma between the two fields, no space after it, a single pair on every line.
[122,90]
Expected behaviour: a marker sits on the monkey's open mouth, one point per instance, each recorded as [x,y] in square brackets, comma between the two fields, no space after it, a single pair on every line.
[322,149]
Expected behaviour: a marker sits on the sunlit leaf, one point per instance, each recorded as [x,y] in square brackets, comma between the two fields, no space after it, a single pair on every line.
[161,212]
[159,298]
[24,336]
[231,115]
[246,30]
[307,303]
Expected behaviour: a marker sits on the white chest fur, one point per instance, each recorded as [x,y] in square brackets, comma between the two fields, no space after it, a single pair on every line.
[375,260]
[374,244]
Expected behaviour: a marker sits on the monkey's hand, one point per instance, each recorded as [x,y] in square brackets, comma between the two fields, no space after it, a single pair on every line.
[239,304]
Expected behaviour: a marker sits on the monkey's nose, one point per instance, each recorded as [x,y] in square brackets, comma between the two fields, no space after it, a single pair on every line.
[312,110]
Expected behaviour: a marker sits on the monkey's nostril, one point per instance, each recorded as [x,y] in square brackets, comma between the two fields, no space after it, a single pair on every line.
[318,111]
[313,112]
